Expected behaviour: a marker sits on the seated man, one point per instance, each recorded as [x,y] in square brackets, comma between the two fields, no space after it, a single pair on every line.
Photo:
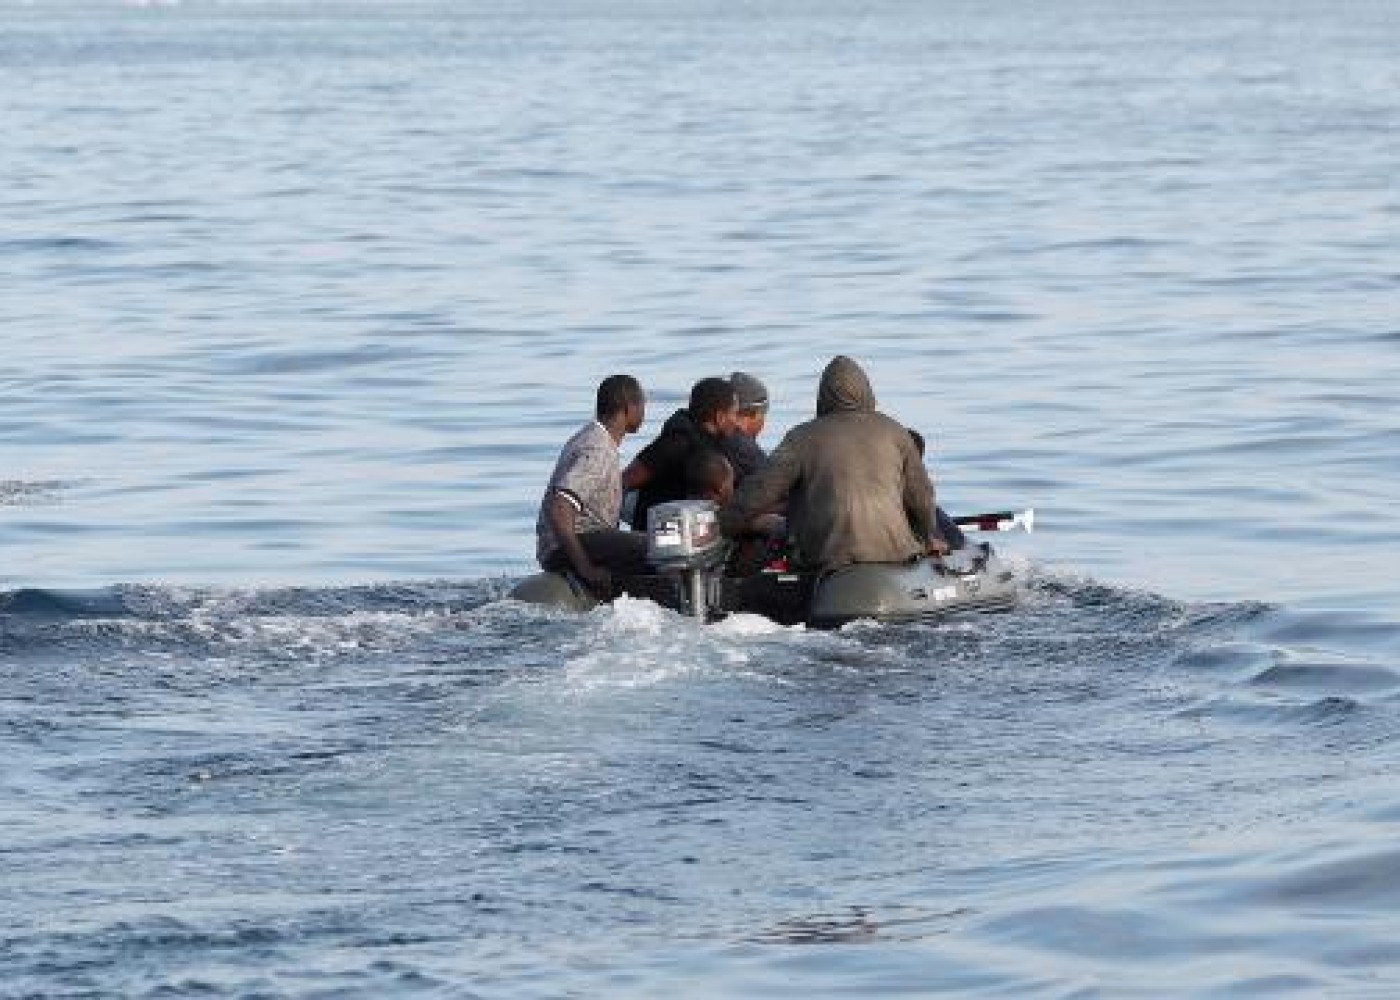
[709,476]
[741,445]
[946,528]
[658,471]
[856,489]
[577,525]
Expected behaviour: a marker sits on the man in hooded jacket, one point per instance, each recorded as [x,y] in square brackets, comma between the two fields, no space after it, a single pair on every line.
[855,486]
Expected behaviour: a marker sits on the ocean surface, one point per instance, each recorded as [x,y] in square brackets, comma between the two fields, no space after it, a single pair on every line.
[298,302]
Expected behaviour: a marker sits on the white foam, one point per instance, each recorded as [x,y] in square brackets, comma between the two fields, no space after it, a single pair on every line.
[742,625]
[638,615]
[636,643]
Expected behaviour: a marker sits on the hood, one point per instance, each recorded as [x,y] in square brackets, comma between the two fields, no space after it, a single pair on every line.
[681,422]
[844,388]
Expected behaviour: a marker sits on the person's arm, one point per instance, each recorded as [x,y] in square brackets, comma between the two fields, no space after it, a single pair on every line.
[563,518]
[919,497]
[636,475]
[763,492]
[642,469]
[664,457]
[744,455]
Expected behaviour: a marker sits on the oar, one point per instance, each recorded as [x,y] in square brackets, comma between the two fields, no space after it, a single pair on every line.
[1002,520]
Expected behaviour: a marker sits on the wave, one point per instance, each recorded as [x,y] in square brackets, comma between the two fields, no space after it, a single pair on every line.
[1078,623]
[561,764]
[22,493]
[1070,638]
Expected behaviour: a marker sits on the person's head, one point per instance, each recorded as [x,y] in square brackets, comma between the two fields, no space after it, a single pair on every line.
[713,406]
[709,476]
[751,395]
[918,440]
[620,399]
[844,388]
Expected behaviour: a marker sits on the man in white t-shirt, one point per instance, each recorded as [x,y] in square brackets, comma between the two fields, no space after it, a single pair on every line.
[577,527]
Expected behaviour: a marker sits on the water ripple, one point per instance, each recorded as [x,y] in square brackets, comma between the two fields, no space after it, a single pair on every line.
[300,303]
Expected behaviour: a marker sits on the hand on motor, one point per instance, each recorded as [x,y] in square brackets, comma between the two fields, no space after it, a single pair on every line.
[938,547]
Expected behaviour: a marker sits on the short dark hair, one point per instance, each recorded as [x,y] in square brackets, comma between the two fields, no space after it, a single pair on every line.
[918,440]
[709,396]
[616,393]
[705,470]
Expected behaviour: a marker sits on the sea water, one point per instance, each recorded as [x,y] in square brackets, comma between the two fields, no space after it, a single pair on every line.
[298,302]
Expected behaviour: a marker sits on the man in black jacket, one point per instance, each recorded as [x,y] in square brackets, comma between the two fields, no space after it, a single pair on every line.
[741,445]
[658,473]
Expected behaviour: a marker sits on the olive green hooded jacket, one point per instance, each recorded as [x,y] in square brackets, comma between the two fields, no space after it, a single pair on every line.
[855,486]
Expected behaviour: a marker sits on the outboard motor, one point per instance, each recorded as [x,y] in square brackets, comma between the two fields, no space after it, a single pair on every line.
[684,540]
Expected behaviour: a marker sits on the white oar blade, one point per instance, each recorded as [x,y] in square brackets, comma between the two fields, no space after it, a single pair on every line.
[1001,521]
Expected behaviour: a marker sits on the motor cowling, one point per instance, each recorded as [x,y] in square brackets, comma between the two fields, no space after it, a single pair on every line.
[683,538]
[684,535]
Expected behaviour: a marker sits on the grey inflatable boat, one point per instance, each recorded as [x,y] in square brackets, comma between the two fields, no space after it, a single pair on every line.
[689,556]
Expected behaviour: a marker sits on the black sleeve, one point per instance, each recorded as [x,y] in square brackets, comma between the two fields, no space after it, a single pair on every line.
[765,491]
[744,455]
[665,456]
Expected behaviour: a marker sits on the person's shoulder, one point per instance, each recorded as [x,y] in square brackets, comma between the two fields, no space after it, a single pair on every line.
[797,437]
[827,424]
[673,443]
[670,427]
[679,422]
[582,433]
[805,428]
[740,444]
[889,425]
[591,437]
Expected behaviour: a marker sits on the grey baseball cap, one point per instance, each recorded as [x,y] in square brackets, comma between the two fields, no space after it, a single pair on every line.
[751,393]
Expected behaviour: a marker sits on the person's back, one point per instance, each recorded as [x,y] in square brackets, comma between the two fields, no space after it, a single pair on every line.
[849,502]
[855,487]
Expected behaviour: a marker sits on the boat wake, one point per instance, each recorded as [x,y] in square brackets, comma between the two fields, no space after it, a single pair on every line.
[586,775]
[1074,629]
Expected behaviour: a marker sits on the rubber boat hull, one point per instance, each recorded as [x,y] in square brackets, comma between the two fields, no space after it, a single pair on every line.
[972,579]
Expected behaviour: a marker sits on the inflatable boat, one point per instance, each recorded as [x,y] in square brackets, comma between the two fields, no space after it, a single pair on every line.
[689,557]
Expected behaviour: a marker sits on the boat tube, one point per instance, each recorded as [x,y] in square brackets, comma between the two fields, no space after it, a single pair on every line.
[688,554]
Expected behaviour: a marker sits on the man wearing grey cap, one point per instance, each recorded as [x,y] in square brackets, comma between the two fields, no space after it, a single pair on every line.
[741,445]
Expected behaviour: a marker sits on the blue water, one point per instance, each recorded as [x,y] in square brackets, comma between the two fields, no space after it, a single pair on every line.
[299,301]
